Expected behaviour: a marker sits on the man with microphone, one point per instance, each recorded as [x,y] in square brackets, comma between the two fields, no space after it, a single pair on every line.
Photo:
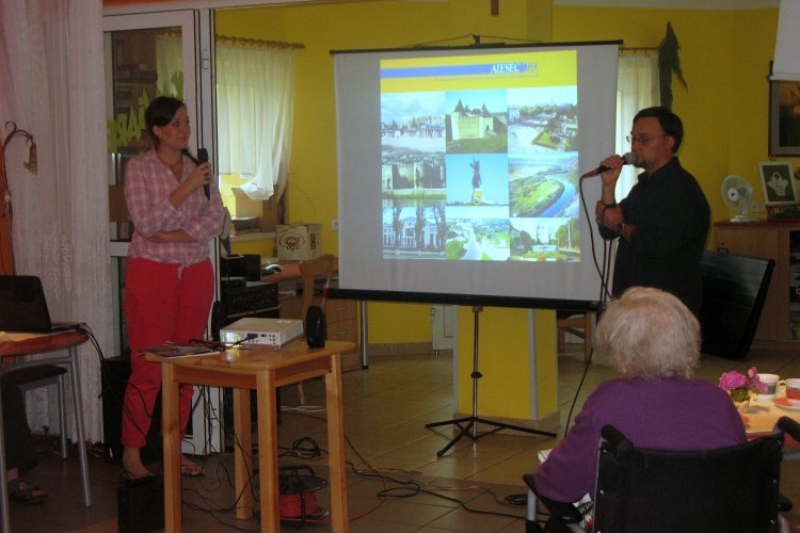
[662,224]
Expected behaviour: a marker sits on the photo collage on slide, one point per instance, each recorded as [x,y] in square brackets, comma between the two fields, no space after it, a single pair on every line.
[480,159]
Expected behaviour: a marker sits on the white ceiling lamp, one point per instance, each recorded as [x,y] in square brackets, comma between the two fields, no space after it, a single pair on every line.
[786,62]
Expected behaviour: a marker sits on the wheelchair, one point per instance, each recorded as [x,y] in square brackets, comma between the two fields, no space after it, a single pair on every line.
[728,490]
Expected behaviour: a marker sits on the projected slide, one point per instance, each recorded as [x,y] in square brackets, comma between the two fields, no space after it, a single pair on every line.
[479,157]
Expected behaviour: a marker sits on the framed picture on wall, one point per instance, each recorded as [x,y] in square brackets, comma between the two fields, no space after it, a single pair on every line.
[784,118]
[777,181]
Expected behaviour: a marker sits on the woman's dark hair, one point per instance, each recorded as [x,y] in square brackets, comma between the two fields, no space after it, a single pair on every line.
[160,112]
[669,122]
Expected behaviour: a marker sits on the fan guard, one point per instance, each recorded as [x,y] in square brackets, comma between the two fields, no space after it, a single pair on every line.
[737,194]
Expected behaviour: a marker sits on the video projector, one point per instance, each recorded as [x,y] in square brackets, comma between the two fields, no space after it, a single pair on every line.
[261,332]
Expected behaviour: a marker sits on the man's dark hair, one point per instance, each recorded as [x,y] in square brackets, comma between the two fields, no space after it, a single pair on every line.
[669,122]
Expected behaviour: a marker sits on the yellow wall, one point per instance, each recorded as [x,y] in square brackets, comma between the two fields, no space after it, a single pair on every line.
[312,190]
[725,64]
[724,54]
[503,359]
[725,59]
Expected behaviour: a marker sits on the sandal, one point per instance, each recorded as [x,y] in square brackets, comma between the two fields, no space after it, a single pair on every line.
[18,493]
[128,476]
[192,470]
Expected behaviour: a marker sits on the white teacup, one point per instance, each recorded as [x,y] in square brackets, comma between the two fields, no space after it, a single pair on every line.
[771,381]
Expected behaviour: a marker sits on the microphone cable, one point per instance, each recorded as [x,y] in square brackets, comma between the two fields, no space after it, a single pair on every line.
[603,271]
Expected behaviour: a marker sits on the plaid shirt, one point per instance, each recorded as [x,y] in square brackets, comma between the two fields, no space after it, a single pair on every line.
[148,184]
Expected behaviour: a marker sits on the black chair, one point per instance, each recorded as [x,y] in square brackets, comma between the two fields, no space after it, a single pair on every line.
[32,377]
[734,291]
[730,490]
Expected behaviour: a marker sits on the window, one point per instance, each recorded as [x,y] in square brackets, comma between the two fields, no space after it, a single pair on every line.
[255,102]
[637,88]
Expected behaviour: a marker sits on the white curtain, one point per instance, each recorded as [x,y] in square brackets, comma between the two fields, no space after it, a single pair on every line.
[169,65]
[255,103]
[51,84]
[637,88]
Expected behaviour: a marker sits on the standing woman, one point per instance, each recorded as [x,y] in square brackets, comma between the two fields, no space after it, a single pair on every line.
[169,284]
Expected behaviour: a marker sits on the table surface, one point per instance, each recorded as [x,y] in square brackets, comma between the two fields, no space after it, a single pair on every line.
[14,344]
[254,360]
[761,417]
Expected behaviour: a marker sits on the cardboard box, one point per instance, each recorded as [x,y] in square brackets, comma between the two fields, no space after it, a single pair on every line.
[266,211]
[299,242]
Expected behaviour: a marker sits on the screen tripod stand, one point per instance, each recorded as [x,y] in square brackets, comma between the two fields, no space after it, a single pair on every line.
[468,426]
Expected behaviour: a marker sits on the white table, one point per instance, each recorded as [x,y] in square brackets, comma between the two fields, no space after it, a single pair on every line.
[761,417]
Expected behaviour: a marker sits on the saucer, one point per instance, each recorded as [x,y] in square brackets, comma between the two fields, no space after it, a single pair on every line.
[784,403]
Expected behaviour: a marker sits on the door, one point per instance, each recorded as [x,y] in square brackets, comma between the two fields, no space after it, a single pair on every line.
[149,55]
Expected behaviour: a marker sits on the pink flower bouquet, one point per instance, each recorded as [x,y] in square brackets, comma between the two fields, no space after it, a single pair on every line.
[736,380]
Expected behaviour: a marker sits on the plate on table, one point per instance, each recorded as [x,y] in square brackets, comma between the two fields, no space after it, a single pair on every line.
[783,402]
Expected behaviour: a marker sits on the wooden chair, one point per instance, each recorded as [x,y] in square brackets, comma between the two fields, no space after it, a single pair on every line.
[578,324]
[313,271]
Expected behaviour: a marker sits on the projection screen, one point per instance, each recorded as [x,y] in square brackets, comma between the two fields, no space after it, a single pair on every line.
[459,171]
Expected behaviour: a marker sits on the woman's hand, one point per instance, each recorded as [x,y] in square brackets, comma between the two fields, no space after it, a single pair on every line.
[199,177]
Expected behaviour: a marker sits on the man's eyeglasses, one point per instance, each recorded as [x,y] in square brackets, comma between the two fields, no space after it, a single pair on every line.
[644,140]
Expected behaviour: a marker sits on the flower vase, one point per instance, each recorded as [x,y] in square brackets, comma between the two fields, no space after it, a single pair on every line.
[740,397]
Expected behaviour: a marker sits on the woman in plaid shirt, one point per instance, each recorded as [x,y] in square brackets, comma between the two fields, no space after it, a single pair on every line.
[169,284]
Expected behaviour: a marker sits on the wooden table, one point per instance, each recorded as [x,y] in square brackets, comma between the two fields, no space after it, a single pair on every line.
[14,347]
[261,370]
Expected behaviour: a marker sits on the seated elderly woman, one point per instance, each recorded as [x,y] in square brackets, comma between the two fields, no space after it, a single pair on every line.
[654,341]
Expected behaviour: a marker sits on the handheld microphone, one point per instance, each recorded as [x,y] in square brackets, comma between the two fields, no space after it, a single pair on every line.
[202,157]
[628,157]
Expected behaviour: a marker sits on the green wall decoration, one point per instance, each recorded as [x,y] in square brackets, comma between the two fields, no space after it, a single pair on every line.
[669,63]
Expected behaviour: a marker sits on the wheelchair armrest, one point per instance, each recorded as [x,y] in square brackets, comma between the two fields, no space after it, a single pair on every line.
[790,426]
[784,504]
[618,444]
[566,512]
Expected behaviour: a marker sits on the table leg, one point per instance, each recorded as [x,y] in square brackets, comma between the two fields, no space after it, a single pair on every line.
[336,456]
[243,453]
[268,453]
[4,503]
[171,430]
[79,427]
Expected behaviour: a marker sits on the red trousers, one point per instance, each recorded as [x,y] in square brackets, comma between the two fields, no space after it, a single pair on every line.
[163,302]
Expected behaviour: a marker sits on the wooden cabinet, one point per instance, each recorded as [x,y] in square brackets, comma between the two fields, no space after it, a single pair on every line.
[779,326]
[341,320]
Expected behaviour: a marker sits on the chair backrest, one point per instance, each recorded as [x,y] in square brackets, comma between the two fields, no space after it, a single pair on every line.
[734,291]
[733,489]
[321,268]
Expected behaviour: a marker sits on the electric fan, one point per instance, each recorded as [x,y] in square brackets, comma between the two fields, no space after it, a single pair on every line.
[737,194]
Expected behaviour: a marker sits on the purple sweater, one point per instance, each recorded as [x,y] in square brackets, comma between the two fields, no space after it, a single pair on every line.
[668,414]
